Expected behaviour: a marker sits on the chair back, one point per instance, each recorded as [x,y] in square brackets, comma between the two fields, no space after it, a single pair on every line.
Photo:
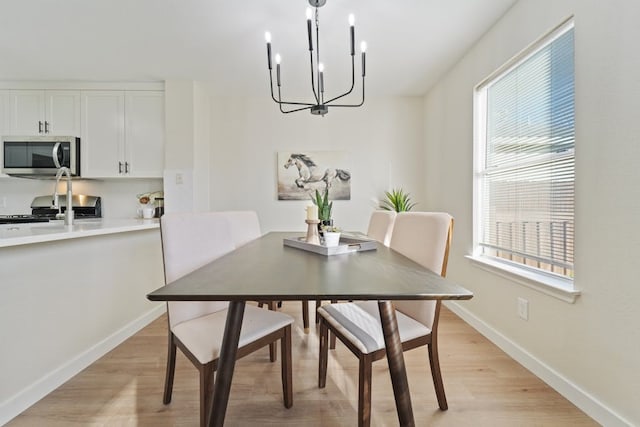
[424,237]
[244,226]
[189,241]
[381,226]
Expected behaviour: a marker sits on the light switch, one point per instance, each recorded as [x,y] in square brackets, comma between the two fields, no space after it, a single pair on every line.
[179,179]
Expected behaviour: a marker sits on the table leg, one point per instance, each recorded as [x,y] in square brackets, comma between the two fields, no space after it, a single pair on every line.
[226,363]
[395,359]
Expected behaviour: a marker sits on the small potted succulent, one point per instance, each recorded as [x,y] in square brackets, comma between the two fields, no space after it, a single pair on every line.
[331,235]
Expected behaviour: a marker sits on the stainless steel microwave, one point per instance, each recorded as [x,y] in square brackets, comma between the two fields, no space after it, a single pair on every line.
[35,156]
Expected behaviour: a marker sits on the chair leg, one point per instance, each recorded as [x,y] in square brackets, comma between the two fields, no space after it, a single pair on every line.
[287,368]
[364,391]
[273,347]
[324,354]
[438,384]
[171,369]
[318,304]
[206,392]
[332,337]
[305,315]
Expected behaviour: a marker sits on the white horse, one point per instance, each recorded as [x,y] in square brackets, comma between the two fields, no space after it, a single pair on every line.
[308,171]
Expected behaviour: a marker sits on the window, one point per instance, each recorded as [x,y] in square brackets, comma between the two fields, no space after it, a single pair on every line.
[524,160]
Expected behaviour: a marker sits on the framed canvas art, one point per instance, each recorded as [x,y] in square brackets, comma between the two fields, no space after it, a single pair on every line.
[301,173]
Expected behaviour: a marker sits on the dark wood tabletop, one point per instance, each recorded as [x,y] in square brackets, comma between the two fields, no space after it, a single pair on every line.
[265,269]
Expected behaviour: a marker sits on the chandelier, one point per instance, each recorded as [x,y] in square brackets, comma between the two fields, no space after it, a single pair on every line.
[320,104]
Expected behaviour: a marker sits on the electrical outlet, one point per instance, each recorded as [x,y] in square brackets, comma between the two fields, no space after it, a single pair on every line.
[3,202]
[523,309]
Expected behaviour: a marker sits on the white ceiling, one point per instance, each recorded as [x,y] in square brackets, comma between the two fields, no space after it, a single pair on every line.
[411,43]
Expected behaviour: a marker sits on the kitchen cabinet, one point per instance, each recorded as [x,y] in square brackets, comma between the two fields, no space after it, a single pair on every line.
[44,112]
[122,134]
[144,133]
[102,140]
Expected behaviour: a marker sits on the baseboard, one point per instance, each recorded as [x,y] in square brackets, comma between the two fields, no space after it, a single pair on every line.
[579,397]
[36,391]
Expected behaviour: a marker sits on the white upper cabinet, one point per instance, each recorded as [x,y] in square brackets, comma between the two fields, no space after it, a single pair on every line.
[44,112]
[122,134]
[144,133]
[102,140]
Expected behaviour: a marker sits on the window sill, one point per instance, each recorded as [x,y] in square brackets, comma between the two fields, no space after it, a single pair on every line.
[556,287]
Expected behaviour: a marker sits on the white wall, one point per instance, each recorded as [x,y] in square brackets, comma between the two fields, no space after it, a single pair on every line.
[186,175]
[594,344]
[383,138]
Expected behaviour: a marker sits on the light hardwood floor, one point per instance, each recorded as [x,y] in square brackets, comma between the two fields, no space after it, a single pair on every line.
[484,387]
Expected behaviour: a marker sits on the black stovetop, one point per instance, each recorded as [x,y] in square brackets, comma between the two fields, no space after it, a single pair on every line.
[21,219]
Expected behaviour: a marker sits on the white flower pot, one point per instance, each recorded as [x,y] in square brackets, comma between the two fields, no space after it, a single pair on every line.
[331,239]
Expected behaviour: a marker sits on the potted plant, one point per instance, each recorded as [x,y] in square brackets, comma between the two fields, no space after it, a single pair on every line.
[331,235]
[324,208]
[397,200]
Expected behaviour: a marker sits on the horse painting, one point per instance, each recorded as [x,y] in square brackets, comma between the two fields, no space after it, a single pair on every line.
[311,177]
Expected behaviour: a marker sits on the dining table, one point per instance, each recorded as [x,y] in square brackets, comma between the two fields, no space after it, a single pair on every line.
[266,269]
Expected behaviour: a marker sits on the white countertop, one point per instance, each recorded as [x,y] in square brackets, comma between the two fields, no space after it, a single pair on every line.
[24,234]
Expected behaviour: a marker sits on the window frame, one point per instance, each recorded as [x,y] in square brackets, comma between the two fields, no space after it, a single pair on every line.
[552,284]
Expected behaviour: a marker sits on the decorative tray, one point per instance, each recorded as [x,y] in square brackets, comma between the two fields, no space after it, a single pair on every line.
[348,244]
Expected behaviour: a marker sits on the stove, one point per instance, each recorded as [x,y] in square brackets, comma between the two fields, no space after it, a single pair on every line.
[41,210]
[21,219]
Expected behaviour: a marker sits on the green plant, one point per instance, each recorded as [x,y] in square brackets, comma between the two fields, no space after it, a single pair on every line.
[397,200]
[323,204]
[331,229]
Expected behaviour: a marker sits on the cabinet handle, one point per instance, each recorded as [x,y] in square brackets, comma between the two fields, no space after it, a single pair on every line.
[39,126]
[119,167]
[46,126]
[126,167]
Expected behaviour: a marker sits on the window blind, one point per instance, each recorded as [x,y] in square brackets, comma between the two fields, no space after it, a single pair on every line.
[527,177]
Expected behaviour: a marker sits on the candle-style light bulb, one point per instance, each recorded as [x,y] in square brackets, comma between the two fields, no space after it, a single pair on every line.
[309,33]
[352,33]
[278,59]
[267,37]
[321,77]
[363,48]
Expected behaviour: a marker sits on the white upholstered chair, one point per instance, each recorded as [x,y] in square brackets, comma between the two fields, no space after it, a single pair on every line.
[190,241]
[381,226]
[379,229]
[425,238]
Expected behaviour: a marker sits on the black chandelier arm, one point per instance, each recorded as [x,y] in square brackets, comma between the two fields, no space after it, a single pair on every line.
[280,103]
[351,105]
[294,110]
[313,86]
[320,96]
[271,86]
[353,82]
[308,105]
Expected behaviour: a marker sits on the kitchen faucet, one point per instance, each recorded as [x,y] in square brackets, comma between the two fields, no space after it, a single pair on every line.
[68,215]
